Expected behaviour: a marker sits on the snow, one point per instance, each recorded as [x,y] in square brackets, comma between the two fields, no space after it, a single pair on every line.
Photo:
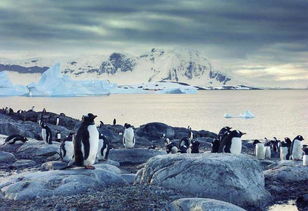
[7,88]
[54,84]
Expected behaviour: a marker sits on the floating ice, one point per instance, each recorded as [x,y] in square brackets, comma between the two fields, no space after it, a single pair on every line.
[228,116]
[247,115]
[7,88]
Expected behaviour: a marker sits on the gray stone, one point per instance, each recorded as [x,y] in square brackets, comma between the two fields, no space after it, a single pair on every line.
[237,179]
[6,158]
[53,165]
[133,156]
[28,186]
[23,164]
[201,204]
[130,178]
[33,149]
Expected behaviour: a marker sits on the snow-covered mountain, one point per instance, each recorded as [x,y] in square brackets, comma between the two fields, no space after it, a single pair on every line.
[178,65]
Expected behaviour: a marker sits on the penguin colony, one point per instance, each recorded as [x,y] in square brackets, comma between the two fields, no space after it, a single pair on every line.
[87,146]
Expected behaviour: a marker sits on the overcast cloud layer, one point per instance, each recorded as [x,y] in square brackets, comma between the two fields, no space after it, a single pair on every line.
[265,41]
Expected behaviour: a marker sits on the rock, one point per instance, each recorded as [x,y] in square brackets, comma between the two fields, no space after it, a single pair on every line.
[133,156]
[287,180]
[34,149]
[28,186]
[201,204]
[237,179]
[6,158]
[129,178]
[155,130]
[302,202]
[23,164]
[110,162]
[267,164]
[53,165]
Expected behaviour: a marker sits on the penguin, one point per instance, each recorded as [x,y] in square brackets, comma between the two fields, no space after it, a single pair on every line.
[223,131]
[296,148]
[114,121]
[215,145]
[268,150]
[46,133]
[185,143]
[289,144]
[58,136]
[128,136]
[232,142]
[57,120]
[170,147]
[195,146]
[305,157]
[67,148]
[86,142]
[101,124]
[259,149]
[14,138]
[103,148]
[283,150]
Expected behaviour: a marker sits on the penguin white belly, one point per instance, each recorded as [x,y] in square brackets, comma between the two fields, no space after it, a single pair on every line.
[260,151]
[69,148]
[283,153]
[268,153]
[129,138]
[44,135]
[297,150]
[100,146]
[57,123]
[59,136]
[236,146]
[305,160]
[94,142]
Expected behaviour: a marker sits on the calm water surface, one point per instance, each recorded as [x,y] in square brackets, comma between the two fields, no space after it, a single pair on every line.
[278,113]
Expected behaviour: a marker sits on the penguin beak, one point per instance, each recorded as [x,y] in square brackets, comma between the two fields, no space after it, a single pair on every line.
[244,133]
[94,116]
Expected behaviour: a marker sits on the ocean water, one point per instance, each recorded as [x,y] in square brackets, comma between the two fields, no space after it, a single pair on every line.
[280,113]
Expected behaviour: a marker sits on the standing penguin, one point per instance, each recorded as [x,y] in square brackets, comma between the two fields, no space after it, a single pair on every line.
[86,142]
[67,148]
[283,151]
[296,148]
[259,150]
[289,144]
[114,121]
[128,136]
[268,150]
[223,131]
[185,143]
[305,158]
[215,145]
[232,143]
[103,148]
[195,146]
[46,133]
[57,120]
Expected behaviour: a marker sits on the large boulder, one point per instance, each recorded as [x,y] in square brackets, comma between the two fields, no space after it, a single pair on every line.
[201,204]
[28,186]
[237,179]
[37,149]
[287,180]
[133,156]
[155,130]
[23,164]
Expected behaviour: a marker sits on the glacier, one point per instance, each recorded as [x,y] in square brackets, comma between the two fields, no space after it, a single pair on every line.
[55,84]
[7,88]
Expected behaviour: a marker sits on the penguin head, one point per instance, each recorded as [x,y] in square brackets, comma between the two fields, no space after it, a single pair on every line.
[167,141]
[287,140]
[299,137]
[89,118]
[237,133]
[256,142]
[227,128]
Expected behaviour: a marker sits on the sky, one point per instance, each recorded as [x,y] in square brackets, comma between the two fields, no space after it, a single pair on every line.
[264,41]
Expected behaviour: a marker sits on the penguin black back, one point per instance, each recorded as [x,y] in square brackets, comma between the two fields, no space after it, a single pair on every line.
[215,145]
[13,138]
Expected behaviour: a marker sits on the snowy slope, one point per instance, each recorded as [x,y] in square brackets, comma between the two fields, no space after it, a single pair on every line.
[181,65]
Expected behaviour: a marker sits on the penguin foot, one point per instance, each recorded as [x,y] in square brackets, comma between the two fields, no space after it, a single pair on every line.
[89,167]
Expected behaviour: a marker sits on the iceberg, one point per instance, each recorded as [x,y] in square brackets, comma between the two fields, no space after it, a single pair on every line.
[247,115]
[7,88]
[228,116]
[54,84]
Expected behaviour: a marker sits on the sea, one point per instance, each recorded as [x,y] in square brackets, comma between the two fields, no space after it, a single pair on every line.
[278,113]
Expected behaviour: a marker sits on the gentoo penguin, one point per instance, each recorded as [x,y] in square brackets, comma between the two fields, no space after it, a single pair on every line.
[223,131]
[128,136]
[289,143]
[268,150]
[46,133]
[215,145]
[86,142]
[305,157]
[232,143]
[296,148]
[283,150]
[195,146]
[170,147]
[185,143]
[14,138]
[58,136]
[101,124]
[259,149]
[114,121]
[57,120]
[103,148]
[67,148]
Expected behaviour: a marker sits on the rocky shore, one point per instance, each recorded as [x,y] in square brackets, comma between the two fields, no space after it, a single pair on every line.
[139,178]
